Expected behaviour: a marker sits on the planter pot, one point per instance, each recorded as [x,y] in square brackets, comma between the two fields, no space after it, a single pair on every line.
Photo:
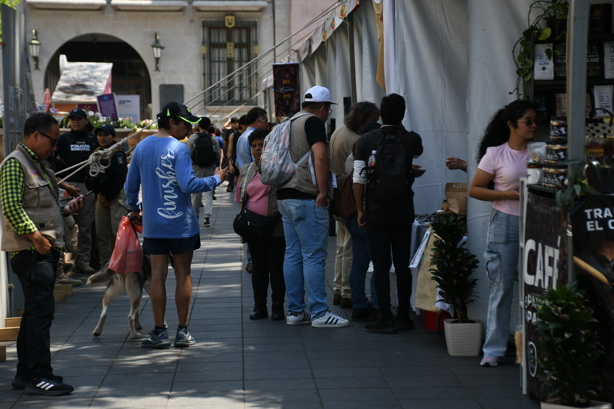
[463,339]
[596,405]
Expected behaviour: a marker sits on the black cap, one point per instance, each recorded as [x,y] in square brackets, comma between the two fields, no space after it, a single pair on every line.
[108,128]
[77,112]
[175,109]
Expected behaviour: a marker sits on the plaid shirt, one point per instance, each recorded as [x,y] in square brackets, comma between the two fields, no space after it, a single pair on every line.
[12,187]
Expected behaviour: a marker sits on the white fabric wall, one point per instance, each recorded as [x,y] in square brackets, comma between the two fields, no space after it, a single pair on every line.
[494,27]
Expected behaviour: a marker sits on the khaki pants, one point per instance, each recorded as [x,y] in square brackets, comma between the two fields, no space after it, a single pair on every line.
[343,261]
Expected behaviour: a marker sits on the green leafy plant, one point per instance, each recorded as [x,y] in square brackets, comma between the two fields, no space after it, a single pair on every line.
[542,16]
[96,119]
[572,346]
[575,185]
[454,264]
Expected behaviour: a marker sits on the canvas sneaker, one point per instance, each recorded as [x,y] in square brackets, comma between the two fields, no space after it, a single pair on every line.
[294,318]
[48,386]
[184,339]
[159,340]
[490,361]
[329,320]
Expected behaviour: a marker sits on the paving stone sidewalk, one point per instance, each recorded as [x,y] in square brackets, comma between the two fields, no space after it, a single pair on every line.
[238,363]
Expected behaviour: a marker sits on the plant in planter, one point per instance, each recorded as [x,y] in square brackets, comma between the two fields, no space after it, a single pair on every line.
[544,17]
[572,347]
[453,266]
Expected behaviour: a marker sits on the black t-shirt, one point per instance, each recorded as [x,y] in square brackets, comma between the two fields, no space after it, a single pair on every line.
[412,145]
[73,148]
[316,132]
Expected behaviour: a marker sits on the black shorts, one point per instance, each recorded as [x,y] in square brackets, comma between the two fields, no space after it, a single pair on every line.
[170,246]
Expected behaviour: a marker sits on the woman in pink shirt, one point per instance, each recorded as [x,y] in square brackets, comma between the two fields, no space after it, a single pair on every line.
[503,158]
[267,255]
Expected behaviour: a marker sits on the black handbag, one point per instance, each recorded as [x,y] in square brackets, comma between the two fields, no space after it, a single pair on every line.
[253,226]
[250,225]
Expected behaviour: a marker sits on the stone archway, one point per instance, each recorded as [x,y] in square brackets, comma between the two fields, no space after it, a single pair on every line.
[130,75]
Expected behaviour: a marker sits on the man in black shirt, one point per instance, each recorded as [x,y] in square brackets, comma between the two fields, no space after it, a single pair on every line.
[76,146]
[389,212]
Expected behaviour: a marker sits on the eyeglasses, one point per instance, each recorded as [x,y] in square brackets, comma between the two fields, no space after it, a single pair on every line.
[529,122]
[54,141]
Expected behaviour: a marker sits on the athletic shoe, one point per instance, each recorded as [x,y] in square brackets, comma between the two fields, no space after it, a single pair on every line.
[294,318]
[47,386]
[64,279]
[382,326]
[329,320]
[183,338]
[489,361]
[206,222]
[21,381]
[154,340]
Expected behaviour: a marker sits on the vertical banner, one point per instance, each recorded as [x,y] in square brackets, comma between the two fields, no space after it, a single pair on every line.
[287,86]
[107,106]
[544,266]
[592,221]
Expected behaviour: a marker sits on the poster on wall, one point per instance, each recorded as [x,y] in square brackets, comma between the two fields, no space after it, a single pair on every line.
[592,221]
[129,106]
[544,266]
[287,88]
[107,106]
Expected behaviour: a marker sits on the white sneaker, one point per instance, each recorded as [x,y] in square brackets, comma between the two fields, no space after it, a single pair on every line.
[298,319]
[330,320]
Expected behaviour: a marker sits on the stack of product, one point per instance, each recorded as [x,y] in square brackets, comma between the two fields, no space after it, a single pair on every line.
[600,140]
[556,152]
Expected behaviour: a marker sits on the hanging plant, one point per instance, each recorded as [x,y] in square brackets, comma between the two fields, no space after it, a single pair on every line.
[544,18]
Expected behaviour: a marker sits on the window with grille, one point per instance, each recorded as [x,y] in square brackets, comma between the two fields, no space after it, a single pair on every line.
[226,50]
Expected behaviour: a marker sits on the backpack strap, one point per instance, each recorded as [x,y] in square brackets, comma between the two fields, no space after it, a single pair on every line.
[307,154]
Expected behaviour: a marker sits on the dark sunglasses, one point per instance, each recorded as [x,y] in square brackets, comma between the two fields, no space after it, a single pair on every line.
[529,122]
[54,141]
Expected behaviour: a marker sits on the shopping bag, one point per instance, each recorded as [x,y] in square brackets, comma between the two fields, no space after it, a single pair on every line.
[127,256]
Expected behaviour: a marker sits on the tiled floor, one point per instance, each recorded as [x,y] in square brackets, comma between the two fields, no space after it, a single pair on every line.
[238,363]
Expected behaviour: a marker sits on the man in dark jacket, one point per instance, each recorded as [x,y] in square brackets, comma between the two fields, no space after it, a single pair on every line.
[75,147]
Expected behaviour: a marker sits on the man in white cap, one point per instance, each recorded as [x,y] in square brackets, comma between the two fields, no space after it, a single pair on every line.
[303,204]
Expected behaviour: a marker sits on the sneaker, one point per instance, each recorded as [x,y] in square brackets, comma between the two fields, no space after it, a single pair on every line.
[360,314]
[86,269]
[64,279]
[206,222]
[21,381]
[294,318]
[329,320]
[489,361]
[48,386]
[154,340]
[404,323]
[382,326]
[183,338]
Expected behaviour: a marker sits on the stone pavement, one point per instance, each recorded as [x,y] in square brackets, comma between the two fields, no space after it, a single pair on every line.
[238,363]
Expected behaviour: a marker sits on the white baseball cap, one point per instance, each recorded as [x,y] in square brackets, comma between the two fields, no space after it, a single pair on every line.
[318,94]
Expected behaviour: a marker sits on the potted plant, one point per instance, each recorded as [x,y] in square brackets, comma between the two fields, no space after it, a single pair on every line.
[545,18]
[572,348]
[453,266]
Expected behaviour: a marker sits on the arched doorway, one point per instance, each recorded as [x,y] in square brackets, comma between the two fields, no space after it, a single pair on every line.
[130,75]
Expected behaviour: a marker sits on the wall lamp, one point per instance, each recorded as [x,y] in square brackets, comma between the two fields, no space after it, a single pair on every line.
[35,47]
[157,48]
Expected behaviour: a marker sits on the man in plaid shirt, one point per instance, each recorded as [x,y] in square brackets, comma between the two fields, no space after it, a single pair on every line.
[32,232]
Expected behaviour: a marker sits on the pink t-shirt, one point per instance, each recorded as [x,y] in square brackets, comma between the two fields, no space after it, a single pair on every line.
[258,196]
[507,166]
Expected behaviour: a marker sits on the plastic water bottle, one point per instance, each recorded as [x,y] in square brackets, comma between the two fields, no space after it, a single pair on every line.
[371,163]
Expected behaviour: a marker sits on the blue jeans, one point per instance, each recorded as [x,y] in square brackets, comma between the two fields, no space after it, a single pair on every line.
[306,231]
[501,256]
[361,256]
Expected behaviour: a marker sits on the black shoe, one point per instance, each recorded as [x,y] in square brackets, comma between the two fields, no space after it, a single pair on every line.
[346,302]
[21,381]
[214,198]
[374,315]
[360,314]
[277,312]
[259,313]
[382,326]
[48,386]
[336,299]
[404,323]
[206,222]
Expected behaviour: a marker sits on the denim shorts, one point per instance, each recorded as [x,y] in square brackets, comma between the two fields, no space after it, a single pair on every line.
[170,246]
